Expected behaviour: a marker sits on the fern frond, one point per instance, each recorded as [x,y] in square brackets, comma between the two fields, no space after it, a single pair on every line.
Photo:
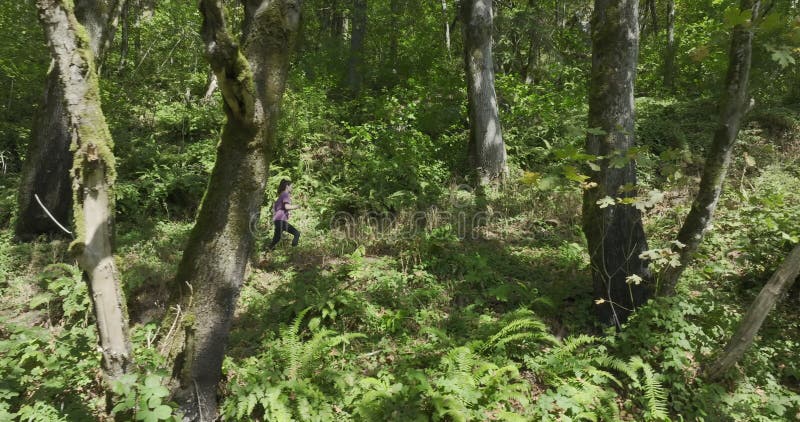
[654,393]
[519,329]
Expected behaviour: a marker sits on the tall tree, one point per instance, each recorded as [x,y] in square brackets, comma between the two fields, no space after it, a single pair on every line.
[614,231]
[355,64]
[46,171]
[671,49]
[252,79]
[487,152]
[733,106]
[93,173]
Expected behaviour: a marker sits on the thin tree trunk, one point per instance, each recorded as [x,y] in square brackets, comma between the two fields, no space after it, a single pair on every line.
[252,81]
[355,64]
[124,36]
[653,12]
[615,234]
[45,169]
[93,175]
[734,104]
[533,59]
[394,7]
[487,152]
[446,21]
[669,53]
[778,284]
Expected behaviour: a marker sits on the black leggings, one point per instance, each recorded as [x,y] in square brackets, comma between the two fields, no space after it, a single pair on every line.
[284,226]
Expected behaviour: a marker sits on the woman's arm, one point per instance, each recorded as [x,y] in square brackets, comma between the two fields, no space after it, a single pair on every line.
[290,207]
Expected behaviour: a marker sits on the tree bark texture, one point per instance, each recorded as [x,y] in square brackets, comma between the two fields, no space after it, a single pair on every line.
[252,80]
[669,53]
[487,152]
[780,282]
[93,174]
[355,63]
[45,170]
[615,234]
[734,104]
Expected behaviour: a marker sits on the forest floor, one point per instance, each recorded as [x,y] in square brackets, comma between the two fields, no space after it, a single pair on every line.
[455,312]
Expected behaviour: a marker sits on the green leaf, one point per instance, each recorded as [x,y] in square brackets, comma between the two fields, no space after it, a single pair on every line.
[733,16]
[162,412]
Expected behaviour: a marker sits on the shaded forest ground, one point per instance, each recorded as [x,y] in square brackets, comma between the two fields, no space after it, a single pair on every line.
[424,311]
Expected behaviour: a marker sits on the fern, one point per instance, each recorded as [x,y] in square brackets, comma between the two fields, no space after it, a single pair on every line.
[654,393]
[299,354]
[518,330]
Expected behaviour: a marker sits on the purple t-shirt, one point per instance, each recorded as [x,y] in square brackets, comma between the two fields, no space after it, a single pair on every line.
[279,211]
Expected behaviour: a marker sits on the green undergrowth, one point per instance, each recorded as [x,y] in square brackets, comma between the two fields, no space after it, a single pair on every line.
[436,304]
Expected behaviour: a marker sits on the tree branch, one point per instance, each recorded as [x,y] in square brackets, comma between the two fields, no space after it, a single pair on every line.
[227,62]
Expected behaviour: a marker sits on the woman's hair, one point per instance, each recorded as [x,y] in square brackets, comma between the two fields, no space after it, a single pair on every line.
[283,185]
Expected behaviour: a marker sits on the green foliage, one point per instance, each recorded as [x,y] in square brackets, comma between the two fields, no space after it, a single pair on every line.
[51,371]
[142,398]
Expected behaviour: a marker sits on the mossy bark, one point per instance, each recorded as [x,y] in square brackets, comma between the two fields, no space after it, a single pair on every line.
[734,105]
[614,234]
[92,176]
[46,169]
[252,81]
[486,150]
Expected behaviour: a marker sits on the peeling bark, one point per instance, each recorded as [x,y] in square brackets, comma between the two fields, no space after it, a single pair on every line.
[487,152]
[252,80]
[780,282]
[734,105]
[614,234]
[93,174]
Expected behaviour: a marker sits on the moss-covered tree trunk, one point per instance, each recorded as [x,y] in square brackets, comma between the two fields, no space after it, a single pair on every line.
[92,178]
[487,152]
[734,104]
[252,81]
[46,170]
[778,284]
[614,233]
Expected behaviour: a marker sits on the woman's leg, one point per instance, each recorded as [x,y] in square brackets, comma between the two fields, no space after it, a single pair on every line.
[290,228]
[279,227]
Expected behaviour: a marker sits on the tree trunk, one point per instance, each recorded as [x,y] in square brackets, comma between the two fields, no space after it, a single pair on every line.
[778,284]
[614,234]
[734,104]
[252,81]
[669,53]
[446,21]
[45,170]
[533,58]
[487,152]
[355,64]
[395,9]
[124,36]
[651,4]
[93,173]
